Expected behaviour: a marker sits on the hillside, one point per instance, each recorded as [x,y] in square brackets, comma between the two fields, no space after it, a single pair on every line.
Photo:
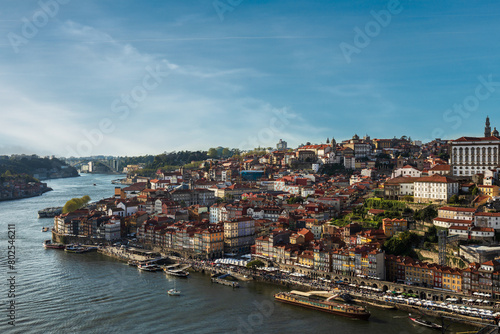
[37,167]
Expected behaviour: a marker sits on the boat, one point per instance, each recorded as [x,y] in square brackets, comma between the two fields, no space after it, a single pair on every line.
[178,273]
[174,292]
[76,249]
[45,229]
[148,267]
[319,302]
[48,244]
[425,323]
[50,212]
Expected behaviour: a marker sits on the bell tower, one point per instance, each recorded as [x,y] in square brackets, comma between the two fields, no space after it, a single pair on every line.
[487,128]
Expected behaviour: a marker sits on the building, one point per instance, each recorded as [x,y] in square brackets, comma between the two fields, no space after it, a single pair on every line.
[239,235]
[399,187]
[392,226]
[406,171]
[281,146]
[453,212]
[488,219]
[435,189]
[475,155]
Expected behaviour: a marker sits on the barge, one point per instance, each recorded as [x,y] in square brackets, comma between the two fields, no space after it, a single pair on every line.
[318,301]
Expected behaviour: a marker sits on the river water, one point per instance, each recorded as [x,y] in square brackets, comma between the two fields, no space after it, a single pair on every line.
[57,292]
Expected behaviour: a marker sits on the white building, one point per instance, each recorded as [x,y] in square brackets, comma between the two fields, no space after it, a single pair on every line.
[475,232]
[473,155]
[406,171]
[434,188]
[488,219]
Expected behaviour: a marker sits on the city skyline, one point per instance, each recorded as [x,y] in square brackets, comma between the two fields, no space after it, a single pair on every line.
[135,79]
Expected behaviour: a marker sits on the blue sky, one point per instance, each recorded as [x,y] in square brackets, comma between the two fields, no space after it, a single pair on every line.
[142,77]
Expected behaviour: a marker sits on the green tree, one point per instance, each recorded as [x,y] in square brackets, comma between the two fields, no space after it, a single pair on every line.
[255,264]
[475,191]
[401,244]
[427,214]
[212,153]
[432,234]
[225,152]
[294,200]
[75,204]
[454,199]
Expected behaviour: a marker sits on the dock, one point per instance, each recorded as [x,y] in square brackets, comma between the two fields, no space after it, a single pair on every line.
[222,280]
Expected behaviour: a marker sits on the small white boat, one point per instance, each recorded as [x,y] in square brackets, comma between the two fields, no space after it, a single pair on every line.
[174,292]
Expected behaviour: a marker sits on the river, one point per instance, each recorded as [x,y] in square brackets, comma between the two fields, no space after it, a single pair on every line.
[57,292]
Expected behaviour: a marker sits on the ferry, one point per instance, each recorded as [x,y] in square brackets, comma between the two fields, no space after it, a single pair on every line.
[316,300]
[48,244]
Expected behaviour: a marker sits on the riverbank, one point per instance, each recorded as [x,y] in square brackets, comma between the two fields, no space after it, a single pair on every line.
[38,193]
[371,299]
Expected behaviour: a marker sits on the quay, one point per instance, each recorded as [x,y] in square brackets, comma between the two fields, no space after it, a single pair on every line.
[224,281]
[374,298]
[128,254]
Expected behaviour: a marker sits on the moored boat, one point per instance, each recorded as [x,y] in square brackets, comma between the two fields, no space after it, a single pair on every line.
[178,273]
[48,244]
[317,302]
[149,267]
[50,212]
[425,323]
[76,249]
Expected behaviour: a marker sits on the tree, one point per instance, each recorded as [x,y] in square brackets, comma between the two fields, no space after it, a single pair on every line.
[255,264]
[454,199]
[212,153]
[225,152]
[475,191]
[75,204]
[432,234]
[426,214]
[401,244]
[294,200]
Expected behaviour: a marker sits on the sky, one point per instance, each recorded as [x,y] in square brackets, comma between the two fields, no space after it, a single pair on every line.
[122,77]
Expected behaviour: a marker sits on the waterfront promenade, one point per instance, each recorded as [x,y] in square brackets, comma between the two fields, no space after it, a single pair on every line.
[478,314]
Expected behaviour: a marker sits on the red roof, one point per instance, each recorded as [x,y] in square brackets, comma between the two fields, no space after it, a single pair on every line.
[464,139]
[457,209]
[436,179]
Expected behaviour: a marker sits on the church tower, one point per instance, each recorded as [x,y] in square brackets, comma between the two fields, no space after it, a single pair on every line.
[487,128]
